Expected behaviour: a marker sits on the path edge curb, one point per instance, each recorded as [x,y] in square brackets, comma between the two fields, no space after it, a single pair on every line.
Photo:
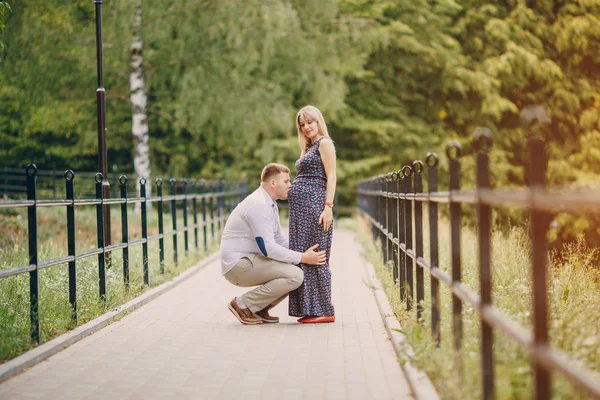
[418,380]
[48,349]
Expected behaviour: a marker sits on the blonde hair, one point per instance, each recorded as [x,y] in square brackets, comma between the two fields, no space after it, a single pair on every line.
[272,169]
[312,113]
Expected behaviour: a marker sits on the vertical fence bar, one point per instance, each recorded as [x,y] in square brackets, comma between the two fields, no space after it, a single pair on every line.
[100,233]
[185,215]
[220,199]
[453,151]
[395,202]
[408,173]
[373,201]
[418,188]
[34,286]
[144,230]
[203,205]
[402,236]
[382,217]
[374,208]
[174,218]
[482,141]
[386,219]
[539,227]
[390,222]
[432,162]
[124,230]
[195,211]
[161,226]
[377,214]
[70,194]
[212,186]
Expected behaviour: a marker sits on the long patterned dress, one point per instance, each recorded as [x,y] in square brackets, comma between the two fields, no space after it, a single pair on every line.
[306,200]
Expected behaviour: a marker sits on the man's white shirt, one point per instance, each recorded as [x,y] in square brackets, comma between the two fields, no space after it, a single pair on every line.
[253,228]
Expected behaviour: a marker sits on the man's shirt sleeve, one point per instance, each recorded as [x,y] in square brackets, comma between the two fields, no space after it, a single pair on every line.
[262,222]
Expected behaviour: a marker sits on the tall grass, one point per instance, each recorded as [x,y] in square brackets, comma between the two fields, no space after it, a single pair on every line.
[54,306]
[574,300]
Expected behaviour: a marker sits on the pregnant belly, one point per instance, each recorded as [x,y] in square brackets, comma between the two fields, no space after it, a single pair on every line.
[302,193]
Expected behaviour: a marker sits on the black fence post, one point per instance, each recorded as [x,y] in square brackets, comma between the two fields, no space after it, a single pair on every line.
[100,233]
[212,186]
[220,199]
[432,162]
[408,173]
[70,194]
[374,202]
[390,211]
[402,235]
[124,229]
[395,235]
[203,205]
[381,219]
[195,211]
[482,141]
[386,218]
[161,227]
[185,216]
[453,151]
[174,218]
[418,188]
[34,285]
[144,230]
[539,226]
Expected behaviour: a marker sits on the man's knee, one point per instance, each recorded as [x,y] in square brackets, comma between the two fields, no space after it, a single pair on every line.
[297,277]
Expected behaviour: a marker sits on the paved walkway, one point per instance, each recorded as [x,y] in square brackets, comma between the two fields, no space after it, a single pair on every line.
[186,344]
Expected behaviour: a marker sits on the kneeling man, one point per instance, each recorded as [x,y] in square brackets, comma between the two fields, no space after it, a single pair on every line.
[254,251]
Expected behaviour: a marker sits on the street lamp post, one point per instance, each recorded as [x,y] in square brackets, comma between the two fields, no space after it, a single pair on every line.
[101,113]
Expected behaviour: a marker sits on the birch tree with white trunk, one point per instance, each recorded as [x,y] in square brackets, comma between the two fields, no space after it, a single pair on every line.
[141,159]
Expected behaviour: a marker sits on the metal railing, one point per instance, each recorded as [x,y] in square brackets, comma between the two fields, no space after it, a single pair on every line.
[393,203]
[216,200]
[49,183]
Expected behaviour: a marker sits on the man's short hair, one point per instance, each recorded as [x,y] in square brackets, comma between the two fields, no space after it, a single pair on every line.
[271,170]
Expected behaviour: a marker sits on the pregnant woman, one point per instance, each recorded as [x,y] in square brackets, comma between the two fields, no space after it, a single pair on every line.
[311,215]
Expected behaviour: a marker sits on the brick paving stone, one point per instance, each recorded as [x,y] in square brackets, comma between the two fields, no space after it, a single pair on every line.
[186,345]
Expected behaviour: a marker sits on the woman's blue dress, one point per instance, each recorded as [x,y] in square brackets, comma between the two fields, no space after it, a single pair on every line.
[306,201]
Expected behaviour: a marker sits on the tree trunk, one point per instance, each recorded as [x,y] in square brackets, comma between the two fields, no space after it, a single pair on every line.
[141,159]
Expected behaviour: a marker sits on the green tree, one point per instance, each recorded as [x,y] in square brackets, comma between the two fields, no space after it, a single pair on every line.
[49,82]
[226,78]
[4,7]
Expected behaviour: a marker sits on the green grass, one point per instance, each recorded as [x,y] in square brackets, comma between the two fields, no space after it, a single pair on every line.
[54,307]
[574,300]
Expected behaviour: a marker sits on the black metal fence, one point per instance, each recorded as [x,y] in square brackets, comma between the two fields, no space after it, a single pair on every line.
[393,203]
[50,183]
[212,201]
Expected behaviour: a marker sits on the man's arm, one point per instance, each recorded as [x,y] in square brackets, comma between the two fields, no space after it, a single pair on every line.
[260,219]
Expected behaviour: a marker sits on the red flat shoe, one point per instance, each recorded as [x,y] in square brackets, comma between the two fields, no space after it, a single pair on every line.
[317,320]
[302,318]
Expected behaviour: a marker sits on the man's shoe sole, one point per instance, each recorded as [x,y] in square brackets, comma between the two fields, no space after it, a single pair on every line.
[266,321]
[240,318]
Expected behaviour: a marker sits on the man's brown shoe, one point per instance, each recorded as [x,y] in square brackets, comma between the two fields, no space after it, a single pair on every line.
[244,315]
[265,317]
